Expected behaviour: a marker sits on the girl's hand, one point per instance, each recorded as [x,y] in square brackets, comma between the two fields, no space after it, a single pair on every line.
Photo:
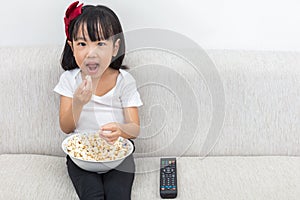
[110,132]
[83,93]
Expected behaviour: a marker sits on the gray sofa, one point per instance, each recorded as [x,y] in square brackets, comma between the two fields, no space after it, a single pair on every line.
[236,140]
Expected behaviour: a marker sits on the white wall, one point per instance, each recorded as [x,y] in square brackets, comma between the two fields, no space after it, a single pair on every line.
[223,24]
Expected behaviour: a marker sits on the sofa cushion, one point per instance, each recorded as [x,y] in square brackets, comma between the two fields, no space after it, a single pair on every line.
[214,178]
[28,176]
[45,177]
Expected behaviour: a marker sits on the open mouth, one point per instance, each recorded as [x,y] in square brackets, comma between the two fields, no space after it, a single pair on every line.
[92,68]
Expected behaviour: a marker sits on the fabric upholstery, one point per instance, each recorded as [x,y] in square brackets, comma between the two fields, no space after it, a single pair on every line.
[255,155]
[261,91]
[28,176]
[212,178]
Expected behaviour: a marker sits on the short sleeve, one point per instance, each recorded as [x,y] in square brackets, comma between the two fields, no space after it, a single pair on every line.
[130,96]
[65,86]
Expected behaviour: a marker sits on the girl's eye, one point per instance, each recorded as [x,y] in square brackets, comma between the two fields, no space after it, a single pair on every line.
[81,44]
[101,44]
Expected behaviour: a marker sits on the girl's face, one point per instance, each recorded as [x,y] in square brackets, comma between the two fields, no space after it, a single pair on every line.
[93,57]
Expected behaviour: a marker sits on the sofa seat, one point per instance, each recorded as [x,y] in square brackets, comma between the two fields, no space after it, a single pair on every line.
[34,177]
[228,177]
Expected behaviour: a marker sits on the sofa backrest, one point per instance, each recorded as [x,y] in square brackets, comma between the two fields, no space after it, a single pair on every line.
[29,109]
[255,111]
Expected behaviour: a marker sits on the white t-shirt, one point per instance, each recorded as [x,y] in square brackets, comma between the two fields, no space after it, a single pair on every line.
[104,109]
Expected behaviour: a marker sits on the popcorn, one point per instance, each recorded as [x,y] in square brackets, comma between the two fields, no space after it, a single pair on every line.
[92,147]
[88,85]
[88,78]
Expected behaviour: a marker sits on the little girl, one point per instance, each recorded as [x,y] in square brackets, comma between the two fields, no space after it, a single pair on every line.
[97,94]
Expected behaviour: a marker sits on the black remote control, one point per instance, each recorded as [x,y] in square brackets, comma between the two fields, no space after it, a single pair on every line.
[168,178]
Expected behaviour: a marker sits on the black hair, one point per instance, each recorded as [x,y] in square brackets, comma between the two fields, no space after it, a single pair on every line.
[101,24]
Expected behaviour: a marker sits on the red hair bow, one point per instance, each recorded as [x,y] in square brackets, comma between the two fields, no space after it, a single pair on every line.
[72,12]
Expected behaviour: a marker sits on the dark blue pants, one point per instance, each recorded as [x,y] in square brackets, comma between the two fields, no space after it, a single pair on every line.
[115,184]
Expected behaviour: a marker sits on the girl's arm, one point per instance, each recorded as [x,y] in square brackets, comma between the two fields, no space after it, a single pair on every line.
[68,114]
[129,130]
[70,108]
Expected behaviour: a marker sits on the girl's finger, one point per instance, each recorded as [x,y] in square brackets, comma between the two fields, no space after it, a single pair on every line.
[104,133]
[107,139]
[112,139]
[81,87]
[89,86]
[86,93]
[111,135]
[109,127]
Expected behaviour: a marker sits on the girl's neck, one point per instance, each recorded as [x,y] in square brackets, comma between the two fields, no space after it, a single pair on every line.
[108,72]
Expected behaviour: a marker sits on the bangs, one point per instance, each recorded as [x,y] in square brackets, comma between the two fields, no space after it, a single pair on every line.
[97,25]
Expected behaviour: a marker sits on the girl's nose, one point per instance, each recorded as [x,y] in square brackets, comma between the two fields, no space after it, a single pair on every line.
[92,52]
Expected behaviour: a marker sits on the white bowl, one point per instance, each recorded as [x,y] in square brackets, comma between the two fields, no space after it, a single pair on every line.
[95,166]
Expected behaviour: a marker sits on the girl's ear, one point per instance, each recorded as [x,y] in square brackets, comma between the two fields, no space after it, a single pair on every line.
[116,47]
[70,44]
